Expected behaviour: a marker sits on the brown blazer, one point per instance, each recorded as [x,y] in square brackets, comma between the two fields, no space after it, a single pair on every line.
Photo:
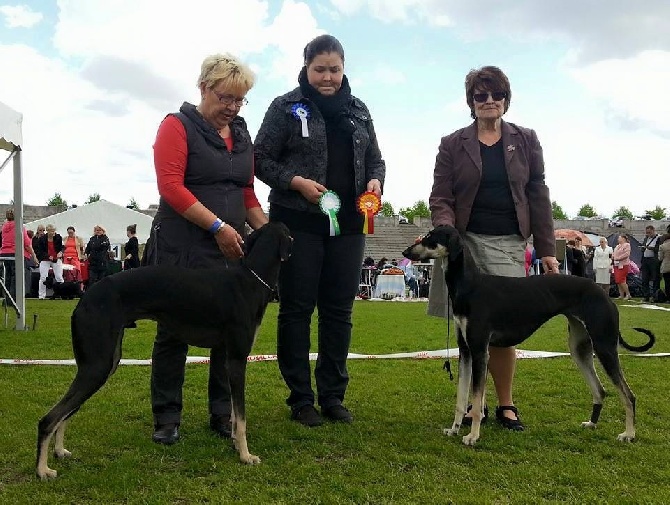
[458,171]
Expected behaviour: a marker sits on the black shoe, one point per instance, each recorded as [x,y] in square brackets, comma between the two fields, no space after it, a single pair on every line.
[307,415]
[506,422]
[337,413]
[166,434]
[221,425]
[467,421]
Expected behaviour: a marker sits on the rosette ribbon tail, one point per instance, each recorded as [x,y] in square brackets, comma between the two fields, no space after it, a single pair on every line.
[334,225]
[369,223]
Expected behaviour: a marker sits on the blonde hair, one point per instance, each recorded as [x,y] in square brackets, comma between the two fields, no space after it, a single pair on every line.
[226,67]
[97,226]
[50,227]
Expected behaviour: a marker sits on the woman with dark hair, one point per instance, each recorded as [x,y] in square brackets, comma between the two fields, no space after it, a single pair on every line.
[318,151]
[131,249]
[8,251]
[49,253]
[73,251]
[489,184]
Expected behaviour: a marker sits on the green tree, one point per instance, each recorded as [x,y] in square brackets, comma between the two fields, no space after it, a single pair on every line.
[657,214]
[95,197]
[387,210]
[557,211]
[587,211]
[56,201]
[419,209]
[623,211]
[132,204]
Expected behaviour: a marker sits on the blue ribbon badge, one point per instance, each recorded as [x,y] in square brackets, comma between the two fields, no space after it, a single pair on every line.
[301,112]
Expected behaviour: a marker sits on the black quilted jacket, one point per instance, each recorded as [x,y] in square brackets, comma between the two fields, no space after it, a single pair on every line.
[283,153]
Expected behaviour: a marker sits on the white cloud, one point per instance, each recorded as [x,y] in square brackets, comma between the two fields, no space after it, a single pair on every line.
[20,16]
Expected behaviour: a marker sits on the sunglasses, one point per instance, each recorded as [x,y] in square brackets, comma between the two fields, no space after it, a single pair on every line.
[496,95]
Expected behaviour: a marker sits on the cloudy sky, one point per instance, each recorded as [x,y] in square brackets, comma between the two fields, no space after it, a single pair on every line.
[93,80]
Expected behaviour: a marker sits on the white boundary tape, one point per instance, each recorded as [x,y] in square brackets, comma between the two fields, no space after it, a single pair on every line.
[443,353]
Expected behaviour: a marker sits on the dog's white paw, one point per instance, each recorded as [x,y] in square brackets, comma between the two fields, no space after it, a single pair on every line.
[46,474]
[625,437]
[470,439]
[62,453]
[589,424]
[250,460]
[450,432]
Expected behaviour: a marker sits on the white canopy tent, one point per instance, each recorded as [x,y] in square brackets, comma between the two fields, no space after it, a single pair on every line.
[112,217]
[11,140]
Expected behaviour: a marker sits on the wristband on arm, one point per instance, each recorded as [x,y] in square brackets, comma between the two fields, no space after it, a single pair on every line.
[216,226]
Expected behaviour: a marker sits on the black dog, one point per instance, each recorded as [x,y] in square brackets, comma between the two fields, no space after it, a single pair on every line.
[212,307]
[505,311]
[63,290]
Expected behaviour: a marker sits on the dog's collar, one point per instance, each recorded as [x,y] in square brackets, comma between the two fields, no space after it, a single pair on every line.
[259,279]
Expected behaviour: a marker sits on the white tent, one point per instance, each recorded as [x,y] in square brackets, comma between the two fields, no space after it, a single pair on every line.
[112,217]
[11,140]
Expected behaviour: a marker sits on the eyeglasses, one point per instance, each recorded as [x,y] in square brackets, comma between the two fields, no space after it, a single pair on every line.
[230,99]
[496,95]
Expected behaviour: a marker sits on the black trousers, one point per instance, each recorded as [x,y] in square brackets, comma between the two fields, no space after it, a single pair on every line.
[95,274]
[649,273]
[666,279]
[167,379]
[323,272]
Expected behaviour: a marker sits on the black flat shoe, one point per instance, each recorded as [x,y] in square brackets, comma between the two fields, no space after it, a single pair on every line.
[221,426]
[337,413]
[166,434]
[307,416]
[467,421]
[506,422]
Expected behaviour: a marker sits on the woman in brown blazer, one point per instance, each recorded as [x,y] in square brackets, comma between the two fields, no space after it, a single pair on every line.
[489,184]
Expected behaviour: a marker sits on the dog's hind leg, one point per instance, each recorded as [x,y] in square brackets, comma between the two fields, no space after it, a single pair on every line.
[236,376]
[59,449]
[609,358]
[581,350]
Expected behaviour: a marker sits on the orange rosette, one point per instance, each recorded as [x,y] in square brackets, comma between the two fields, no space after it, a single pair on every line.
[369,204]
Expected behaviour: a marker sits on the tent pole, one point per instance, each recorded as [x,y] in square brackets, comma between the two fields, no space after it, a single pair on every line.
[4,163]
[18,253]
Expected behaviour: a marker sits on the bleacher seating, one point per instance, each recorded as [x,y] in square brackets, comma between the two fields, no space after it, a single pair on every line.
[391,238]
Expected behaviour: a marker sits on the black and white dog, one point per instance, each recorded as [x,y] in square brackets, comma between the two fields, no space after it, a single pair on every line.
[505,311]
[213,307]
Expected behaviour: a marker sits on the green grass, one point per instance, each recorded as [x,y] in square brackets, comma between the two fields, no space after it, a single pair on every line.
[394,452]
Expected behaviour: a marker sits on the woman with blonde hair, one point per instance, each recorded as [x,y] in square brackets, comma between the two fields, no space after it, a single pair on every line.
[204,163]
[50,256]
[602,264]
[97,253]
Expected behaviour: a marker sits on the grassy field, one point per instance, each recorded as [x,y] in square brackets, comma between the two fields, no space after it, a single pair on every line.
[394,452]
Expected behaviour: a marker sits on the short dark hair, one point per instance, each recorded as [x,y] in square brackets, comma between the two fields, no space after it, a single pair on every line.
[650,227]
[132,228]
[487,78]
[70,228]
[322,44]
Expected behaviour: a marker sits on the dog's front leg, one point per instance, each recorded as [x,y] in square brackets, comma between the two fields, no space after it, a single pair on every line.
[464,375]
[236,377]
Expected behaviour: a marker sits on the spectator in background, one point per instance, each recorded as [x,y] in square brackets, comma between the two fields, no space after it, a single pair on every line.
[8,251]
[621,257]
[38,233]
[664,258]
[50,256]
[97,252]
[602,264]
[649,271]
[578,261]
[73,252]
[410,279]
[131,249]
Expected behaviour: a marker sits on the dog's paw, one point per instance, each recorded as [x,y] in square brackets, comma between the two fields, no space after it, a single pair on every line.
[470,439]
[450,432]
[46,474]
[625,437]
[250,459]
[62,453]
[589,424]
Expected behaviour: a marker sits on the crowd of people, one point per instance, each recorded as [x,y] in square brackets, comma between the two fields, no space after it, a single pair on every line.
[53,260]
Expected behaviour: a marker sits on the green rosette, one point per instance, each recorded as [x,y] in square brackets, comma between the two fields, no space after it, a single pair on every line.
[330,204]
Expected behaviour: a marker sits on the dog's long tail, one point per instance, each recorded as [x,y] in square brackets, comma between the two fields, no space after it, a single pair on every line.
[641,348]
